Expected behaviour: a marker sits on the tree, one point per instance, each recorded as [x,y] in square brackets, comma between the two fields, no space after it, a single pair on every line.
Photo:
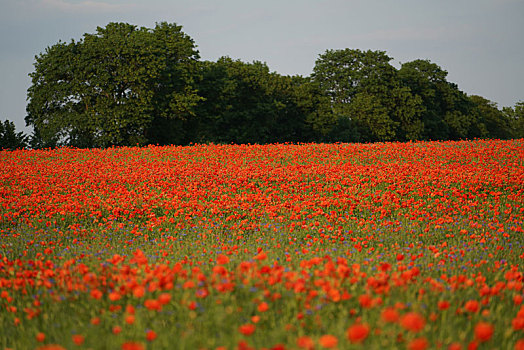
[367,97]
[495,123]
[238,104]
[515,116]
[447,113]
[9,138]
[426,80]
[308,101]
[246,103]
[458,117]
[114,87]
[342,74]
[372,118]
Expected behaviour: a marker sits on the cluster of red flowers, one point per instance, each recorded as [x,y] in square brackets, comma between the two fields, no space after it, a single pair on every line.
[332,244]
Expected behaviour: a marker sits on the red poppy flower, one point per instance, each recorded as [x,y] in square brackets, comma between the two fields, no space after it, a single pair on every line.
[51,347]
[247,329]
[471,306]
[305,342]
[412,321]
[443,304]
[390,314]
[418,344]
[262,307]
[150,335]
[357,333]
[519,345]
[133,346]
[78,339]
[328,341]
[483,331]
[130,319]
[40,337]
[222,259]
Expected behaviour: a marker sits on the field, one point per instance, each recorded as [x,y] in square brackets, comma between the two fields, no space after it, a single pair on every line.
[312,246]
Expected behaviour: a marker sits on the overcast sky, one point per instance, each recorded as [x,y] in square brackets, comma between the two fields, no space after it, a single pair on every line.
[479,42]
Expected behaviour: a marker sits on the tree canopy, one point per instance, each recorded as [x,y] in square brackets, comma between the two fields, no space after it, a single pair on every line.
[246,103]
[515,117]
[9,138]
[125,85]
[365,90]
[112,87]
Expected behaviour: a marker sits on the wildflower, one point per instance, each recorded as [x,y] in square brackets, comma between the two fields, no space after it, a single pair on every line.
[412,321]
[192,305]
[113,296]
[130,309]
[40,337]
[247,329]
[133,346]
[243,345]
[519,345]
[278,347]
[262,307]
[78,339]
[222,259]
[365,301]
[260,256]
[305,342]
[518,323]
[150,335]
[152,304]
[96,294]
[164,298]
[51,347]
[357,333]
[443,305]
[418,344]
[188,284]
[116,330]
[389,314]
[473,345]
[472,306]
[130,319]
[328,341]
[455,346]
[483,331]
[139,291]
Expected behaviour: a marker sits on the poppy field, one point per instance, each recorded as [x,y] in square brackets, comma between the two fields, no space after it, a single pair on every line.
[283,246]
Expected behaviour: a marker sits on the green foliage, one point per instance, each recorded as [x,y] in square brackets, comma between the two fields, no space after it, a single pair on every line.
[342,74]
[515,117]
[428,81]
[240,106]
[372,118]
[109,87]
[246,103]
[494,122]
[448,114]
[315,106]
[9,138]
[364,88]
[125,85]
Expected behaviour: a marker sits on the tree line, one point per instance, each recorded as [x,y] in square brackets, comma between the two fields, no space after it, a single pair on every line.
[125,85]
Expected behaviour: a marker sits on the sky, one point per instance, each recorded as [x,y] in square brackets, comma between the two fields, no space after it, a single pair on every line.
[478,42]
